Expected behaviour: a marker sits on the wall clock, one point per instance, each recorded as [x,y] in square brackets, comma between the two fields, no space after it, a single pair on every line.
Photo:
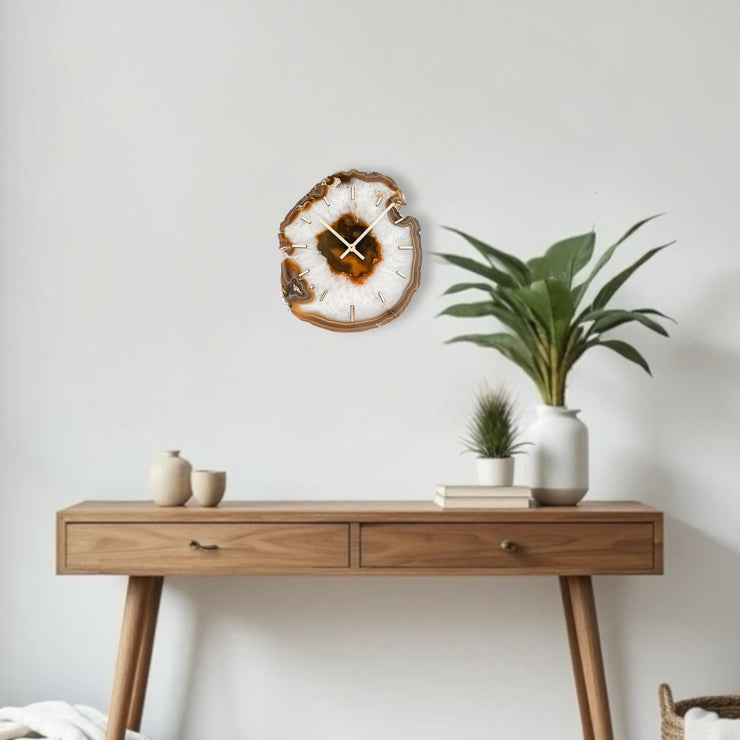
[351,260]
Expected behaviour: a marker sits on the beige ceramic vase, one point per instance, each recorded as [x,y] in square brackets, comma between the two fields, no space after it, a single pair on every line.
[169,479]
[209,486]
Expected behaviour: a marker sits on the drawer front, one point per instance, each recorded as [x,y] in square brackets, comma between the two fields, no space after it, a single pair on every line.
[203,549]
[560,548]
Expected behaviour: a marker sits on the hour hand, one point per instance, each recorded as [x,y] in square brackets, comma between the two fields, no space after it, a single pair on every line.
[350,247]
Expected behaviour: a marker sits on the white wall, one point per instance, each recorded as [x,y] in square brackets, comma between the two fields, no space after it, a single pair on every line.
[149,151]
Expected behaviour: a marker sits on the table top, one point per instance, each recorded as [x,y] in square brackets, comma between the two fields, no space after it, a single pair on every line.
[344,510]
[357,537]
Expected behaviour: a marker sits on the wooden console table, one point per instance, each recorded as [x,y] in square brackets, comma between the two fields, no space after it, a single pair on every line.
[357,538]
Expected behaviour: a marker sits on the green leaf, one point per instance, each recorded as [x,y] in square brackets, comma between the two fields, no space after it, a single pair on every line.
[632,229]
[536,300]
[459,287]
[564,259]
[489,271]
[606,256]
[607,292]
[513,299]
[517,269]
[510,346]
[499,309]
[530,327]
[469,310]
[610,318]
[517,323]
[561,308]
[575,346]
[627,351]
[551,304]
[653,312]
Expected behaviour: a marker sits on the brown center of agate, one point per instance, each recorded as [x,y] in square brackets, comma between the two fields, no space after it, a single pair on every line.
[351,265]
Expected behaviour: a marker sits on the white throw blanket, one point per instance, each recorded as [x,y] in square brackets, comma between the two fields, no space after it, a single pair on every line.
[699,724]
[57,720]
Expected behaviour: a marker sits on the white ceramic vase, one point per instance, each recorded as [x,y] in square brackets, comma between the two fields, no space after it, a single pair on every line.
[495,471]
[169,479]
[558,457]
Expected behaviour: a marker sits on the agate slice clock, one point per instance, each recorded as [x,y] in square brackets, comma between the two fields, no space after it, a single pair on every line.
[351,261]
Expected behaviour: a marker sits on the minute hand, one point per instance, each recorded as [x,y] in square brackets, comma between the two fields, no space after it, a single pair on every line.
[350,247]
[366,232]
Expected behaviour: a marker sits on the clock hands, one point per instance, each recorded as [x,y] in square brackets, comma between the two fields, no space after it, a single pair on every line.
[351,247]
[336,233]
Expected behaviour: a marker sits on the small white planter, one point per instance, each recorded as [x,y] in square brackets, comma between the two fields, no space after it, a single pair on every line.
[496,471]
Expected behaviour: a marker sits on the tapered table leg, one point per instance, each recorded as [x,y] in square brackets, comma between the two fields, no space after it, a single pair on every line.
[585,649]
[141,676]
[575,655]
[134,653]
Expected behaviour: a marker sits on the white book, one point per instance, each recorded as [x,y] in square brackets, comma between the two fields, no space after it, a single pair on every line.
[484,491]
[482,502]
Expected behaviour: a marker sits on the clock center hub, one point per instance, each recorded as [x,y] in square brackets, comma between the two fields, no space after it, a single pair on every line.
[351,265]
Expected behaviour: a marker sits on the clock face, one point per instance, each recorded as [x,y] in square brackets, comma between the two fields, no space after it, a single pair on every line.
[352,260]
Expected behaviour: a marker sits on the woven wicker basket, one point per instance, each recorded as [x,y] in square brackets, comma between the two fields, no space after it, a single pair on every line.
[727,707]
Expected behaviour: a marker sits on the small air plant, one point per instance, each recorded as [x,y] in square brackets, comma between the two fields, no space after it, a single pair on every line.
[493,435]
[492,430]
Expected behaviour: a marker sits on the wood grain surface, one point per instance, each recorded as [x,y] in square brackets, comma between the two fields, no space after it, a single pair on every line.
[356,538]
[552,547]
[200,548]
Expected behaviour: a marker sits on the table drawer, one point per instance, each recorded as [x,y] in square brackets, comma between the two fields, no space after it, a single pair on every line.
[560,548]
[203,549]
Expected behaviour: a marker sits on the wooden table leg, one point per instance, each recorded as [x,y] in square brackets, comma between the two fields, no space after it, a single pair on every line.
[585,649]
[151,609]
[134,653]
[575,655]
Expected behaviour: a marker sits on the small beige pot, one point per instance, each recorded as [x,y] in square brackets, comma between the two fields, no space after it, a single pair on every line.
[208,486]
[496,471]
[169,479]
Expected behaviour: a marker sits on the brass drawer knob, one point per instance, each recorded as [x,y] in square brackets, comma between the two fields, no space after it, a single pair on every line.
[508,545]
[195,545]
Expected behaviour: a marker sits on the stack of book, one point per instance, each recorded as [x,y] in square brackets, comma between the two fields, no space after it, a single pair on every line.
[483,497]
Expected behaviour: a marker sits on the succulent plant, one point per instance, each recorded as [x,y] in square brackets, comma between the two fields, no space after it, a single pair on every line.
[492,430]
[551,314]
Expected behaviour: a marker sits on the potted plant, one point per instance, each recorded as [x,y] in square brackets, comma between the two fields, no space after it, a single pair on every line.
[552,313]
[492,435]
